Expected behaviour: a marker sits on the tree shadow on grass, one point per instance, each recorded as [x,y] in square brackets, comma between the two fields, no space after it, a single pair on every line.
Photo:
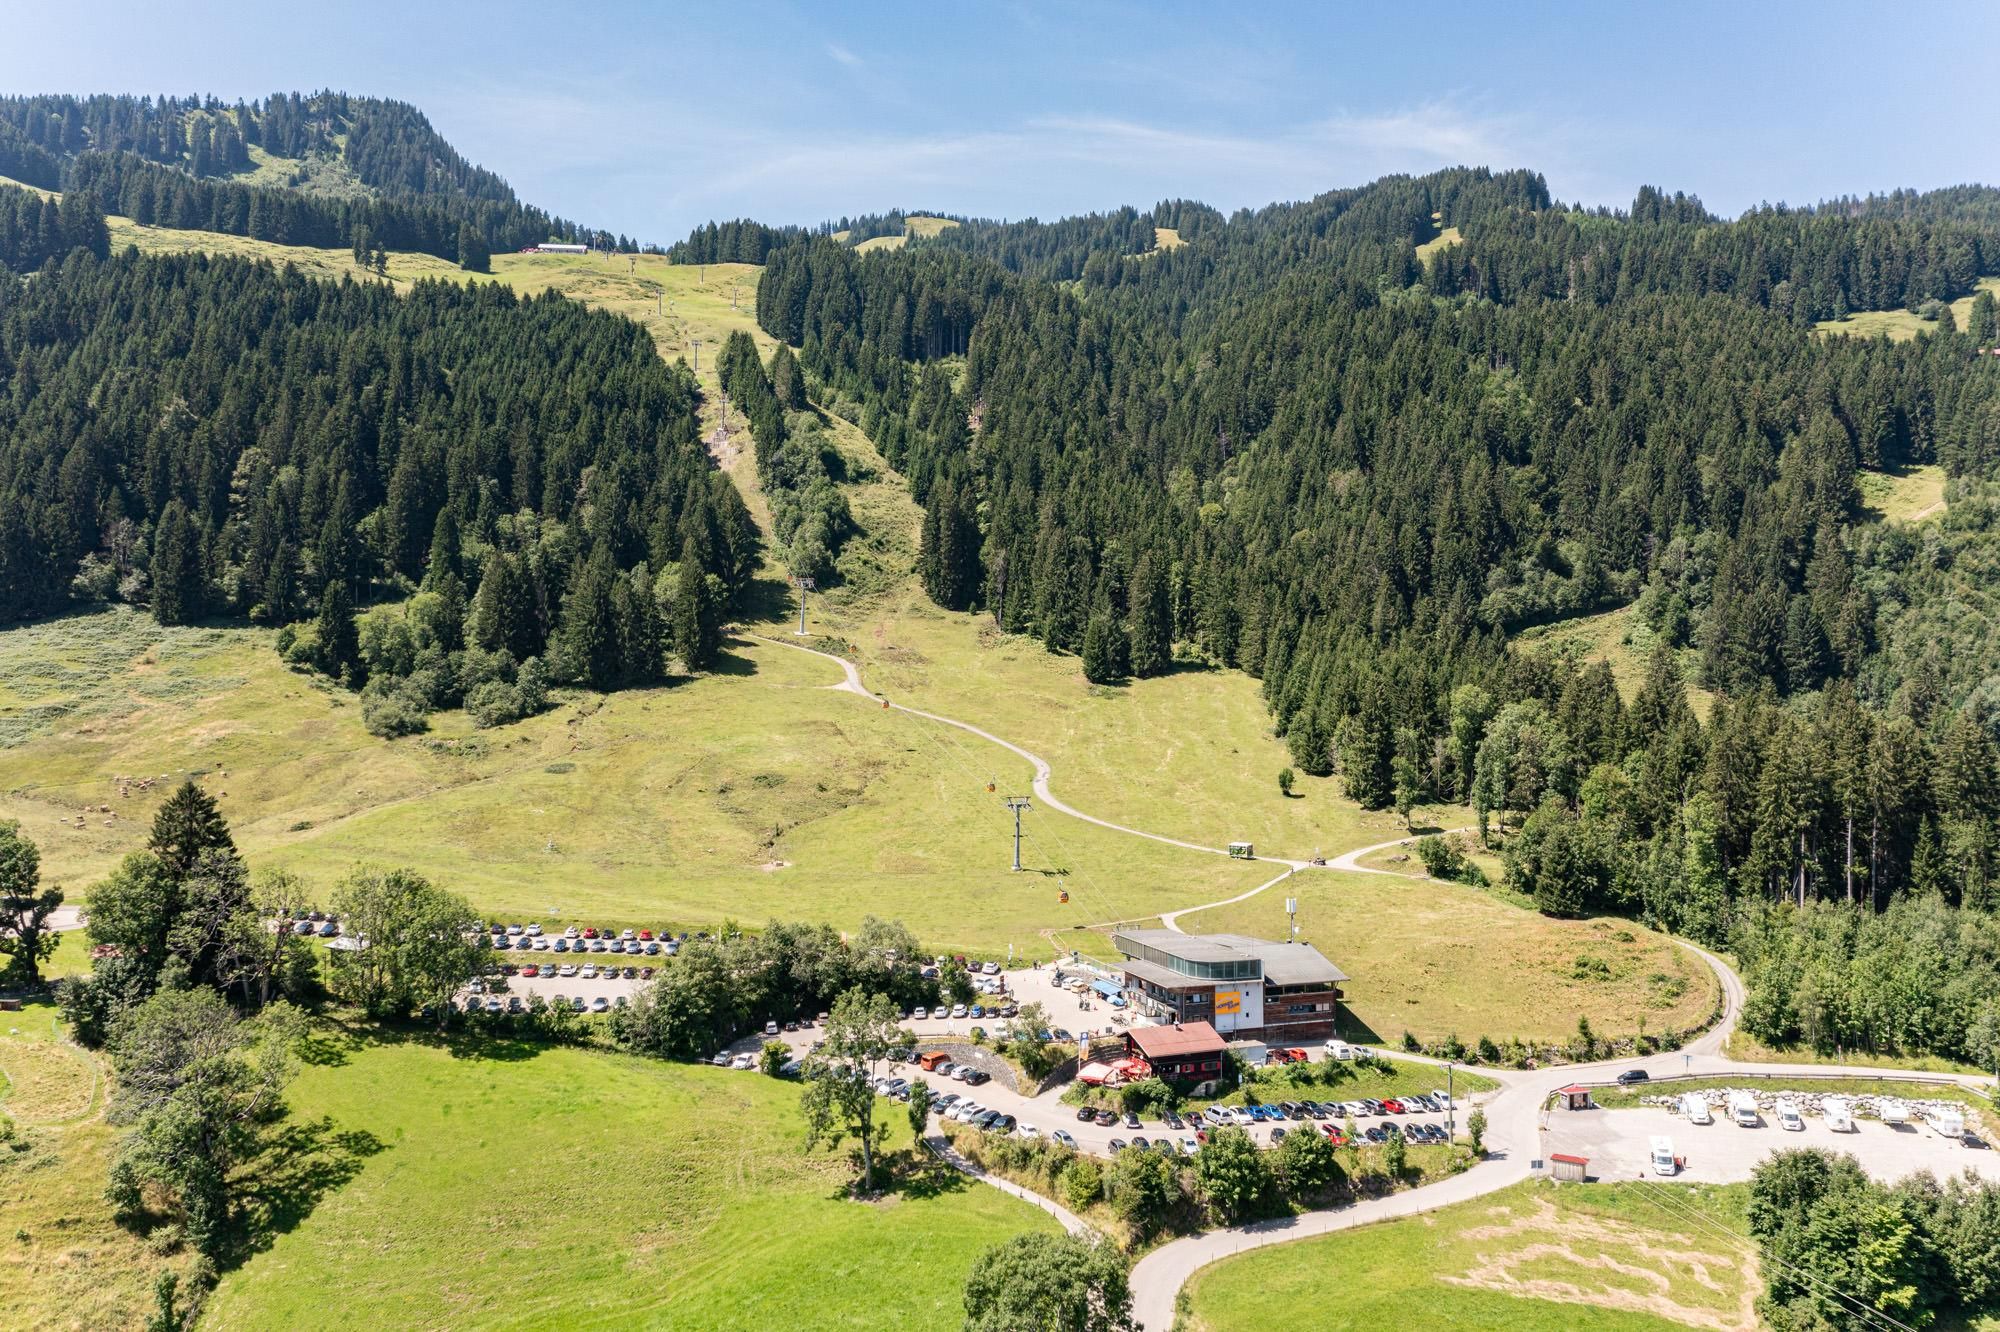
[732,663]
[460,1042]
[299,1165]
[912,1175]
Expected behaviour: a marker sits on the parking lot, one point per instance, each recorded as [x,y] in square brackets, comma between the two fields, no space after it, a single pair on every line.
[1615,1143]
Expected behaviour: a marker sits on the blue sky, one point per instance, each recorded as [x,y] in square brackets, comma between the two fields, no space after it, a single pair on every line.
[649,118]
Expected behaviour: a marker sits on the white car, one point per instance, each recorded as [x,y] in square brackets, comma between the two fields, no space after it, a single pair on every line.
[992,968]
[534,931]
[920,1015]
[743,1061]
[958,1010]
[1027,1131]
[570,933]
[589,971]
[1443,1099]
[1189,1146]
[1240,1115]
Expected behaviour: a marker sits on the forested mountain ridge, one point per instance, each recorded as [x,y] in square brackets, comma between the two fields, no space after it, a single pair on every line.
[325,169]
[217,436]
[1295,446]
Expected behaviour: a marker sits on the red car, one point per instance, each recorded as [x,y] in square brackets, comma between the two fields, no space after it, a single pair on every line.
[1201,1136]
[1393,1106]
[590,931]
[645,934]
[531,970]
[1334,1135]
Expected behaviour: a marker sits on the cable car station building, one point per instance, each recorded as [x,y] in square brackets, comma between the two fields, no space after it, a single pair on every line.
[1247,988]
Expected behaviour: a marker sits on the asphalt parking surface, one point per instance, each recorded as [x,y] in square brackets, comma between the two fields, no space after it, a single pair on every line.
[1616,1144]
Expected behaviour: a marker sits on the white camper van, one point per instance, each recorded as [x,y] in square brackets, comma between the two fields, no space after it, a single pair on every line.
[1949,1123]
[1743,1110]
[1892,1111]
[1789,1117]
[1695,1107]
[1660,1153]
[1839,1117]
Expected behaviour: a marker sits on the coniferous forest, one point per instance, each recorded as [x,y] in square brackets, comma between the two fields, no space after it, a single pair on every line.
[1292,446]
[215,436]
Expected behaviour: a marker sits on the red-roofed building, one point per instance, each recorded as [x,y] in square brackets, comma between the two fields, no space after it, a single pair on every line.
[1576,1096]
[1183,1052]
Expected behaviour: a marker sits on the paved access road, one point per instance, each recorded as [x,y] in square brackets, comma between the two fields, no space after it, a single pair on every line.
[1518,1131]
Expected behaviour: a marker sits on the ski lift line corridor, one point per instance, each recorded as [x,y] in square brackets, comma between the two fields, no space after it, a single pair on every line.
[852,684]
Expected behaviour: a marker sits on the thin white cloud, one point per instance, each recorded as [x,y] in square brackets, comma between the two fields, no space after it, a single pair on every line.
[843,55]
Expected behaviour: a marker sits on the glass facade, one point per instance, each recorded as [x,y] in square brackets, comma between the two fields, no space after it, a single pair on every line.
[1248,968]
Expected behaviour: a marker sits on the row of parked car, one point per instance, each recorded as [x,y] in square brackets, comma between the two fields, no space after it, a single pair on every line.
[326,927]
[513,1003]
[1217,1115]
[1003,1010]
[585,971]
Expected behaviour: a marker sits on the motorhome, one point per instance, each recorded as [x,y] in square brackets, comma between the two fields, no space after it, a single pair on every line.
[1743,1110]
[1660,1153]
[1695,1107]
[1789,1117]
[1949,1122]
[1839,1117]
[1892,1111]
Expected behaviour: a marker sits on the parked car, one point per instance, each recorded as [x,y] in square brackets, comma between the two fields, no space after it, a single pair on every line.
[1632,1075]
[920,1014]
[770,1029]
[1392,1106]
[1172,1120]
[1063,1136]
[600,1005]
[1142,1144]
[958,1010]
[743,1062]
[1105,1119]
[1118,1145]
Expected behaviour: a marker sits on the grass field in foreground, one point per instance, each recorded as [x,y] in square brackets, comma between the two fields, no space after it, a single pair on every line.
[1440,958]
[1532,1258]
[555,1187]
[66,1264]
[750,793]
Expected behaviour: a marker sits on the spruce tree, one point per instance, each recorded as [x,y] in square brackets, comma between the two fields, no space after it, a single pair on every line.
[339,640]
[697,615]
[1152,620]
[187,824]
[473,254]
[1105,654]
[586,640]
[787,380]
[178,582]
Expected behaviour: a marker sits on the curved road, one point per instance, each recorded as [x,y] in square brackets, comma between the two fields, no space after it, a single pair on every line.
[1515,1114]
